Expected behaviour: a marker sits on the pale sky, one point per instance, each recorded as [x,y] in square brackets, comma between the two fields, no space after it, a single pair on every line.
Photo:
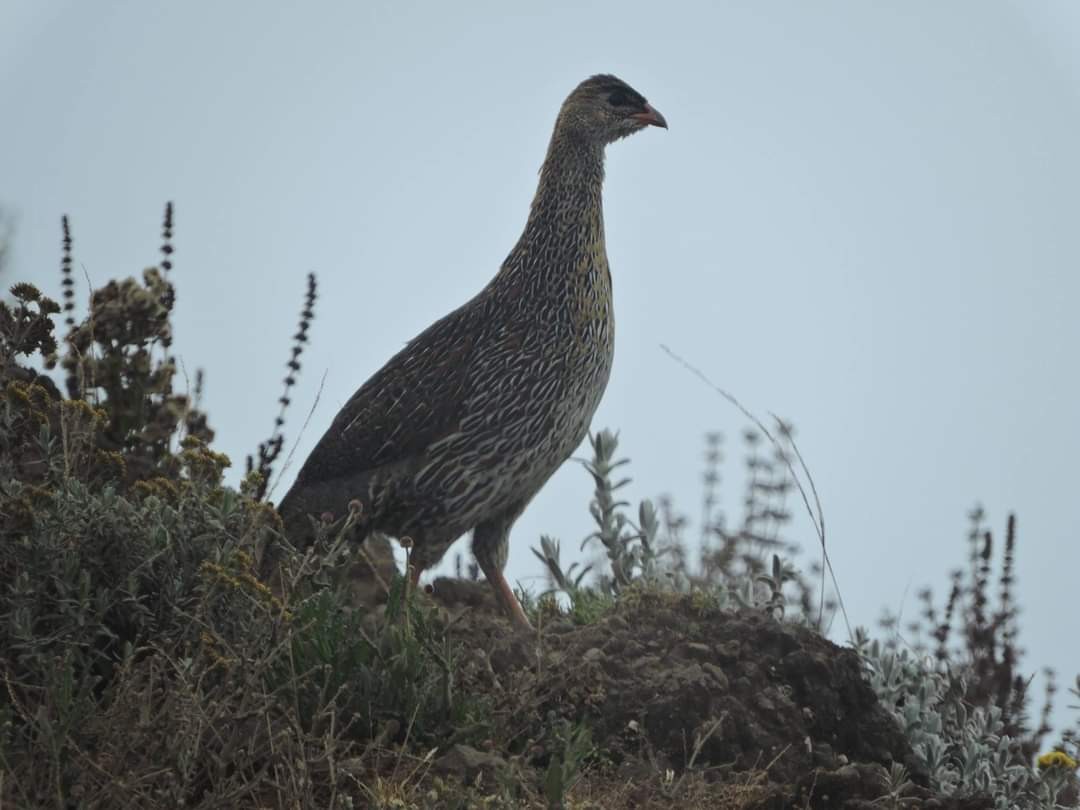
[864,218]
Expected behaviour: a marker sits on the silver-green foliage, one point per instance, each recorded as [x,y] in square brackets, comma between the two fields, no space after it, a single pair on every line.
[964,749]
[631,548]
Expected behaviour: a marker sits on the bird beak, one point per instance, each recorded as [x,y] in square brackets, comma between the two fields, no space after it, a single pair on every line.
[650,116]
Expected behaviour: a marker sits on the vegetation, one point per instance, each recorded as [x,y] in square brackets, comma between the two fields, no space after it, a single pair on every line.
[147,662]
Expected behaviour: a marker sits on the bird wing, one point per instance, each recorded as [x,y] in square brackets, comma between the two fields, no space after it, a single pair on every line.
[406,405]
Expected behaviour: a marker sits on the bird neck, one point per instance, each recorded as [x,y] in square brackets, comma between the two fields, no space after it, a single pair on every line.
[566,217]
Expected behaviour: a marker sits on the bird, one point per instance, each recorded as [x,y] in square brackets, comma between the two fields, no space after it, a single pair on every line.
[464,425]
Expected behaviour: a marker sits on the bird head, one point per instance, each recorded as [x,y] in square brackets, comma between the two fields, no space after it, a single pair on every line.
[604,108]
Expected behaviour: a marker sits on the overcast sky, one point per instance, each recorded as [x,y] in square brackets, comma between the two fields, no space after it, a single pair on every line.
[863,218]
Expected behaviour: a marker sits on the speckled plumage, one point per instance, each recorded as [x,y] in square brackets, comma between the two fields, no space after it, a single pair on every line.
[461,428]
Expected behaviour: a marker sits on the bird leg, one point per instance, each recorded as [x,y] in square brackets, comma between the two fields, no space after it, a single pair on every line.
[489,545]
[509,602]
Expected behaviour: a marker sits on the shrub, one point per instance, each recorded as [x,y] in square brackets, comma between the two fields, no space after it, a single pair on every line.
[145,663]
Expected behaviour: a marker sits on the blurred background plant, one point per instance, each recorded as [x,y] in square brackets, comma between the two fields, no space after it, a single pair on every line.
[750,563]
[7,232]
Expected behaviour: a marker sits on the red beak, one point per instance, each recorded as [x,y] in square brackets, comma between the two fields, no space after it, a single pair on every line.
[650,116]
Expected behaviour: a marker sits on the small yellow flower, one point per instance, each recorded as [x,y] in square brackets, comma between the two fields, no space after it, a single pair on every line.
[1057,759]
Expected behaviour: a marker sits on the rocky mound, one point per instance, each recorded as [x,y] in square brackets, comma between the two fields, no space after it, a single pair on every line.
[669,686]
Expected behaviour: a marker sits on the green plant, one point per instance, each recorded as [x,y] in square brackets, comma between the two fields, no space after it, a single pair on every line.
[572,746]
[399,671]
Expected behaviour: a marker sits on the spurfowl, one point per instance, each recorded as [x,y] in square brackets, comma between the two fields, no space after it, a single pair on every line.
[462,427]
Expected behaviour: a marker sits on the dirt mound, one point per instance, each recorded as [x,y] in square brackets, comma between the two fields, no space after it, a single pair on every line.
[670,684]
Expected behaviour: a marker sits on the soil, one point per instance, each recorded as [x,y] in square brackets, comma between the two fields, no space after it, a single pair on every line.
[682,697]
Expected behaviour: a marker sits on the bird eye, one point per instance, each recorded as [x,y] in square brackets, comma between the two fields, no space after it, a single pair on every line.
[618,99]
